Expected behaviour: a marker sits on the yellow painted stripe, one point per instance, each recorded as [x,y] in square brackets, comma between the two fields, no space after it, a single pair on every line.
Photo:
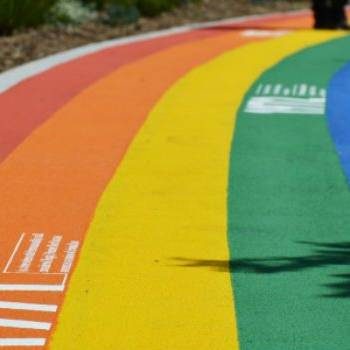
[168,201]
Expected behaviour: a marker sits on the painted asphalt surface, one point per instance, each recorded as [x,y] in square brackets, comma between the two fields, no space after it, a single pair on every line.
[183,190]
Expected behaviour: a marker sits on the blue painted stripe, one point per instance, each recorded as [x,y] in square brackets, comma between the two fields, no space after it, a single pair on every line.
[338,115]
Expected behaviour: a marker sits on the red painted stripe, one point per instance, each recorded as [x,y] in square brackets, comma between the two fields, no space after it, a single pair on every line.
[30,103]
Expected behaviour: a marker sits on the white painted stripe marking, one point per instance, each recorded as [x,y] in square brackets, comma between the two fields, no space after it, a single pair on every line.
[27,306]
[14,76]
[4,322]
[14,252]
[258,33]
[30,253]
[70,256]
[32,287]
[286,105]
[50,254]
[22,341]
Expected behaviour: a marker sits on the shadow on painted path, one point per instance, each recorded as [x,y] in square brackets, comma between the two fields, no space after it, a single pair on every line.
[322,255]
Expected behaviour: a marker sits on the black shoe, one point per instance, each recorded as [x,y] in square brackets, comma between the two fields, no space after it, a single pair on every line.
[343,26]
[325,26]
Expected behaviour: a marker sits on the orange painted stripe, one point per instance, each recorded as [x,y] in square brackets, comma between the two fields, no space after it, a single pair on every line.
[52,182]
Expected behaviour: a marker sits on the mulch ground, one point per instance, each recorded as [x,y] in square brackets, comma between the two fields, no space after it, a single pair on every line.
[32,44]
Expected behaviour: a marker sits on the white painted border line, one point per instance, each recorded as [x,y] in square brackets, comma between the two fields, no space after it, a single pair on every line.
[32,287]
[14,76]
[23,324]
[10,305]
[22,342]
[14,252]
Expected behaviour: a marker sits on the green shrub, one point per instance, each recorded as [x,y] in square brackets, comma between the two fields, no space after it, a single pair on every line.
[23,13]
[121,14]
[145,7]
[30,13]
[71,11]
[155,7]
[99,4]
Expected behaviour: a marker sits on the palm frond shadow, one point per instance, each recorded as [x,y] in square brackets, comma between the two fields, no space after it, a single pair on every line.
[322,255]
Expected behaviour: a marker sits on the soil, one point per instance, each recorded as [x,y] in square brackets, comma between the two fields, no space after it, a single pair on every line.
[32,44]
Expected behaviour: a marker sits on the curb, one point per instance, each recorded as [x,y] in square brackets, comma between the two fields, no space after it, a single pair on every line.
[14,76]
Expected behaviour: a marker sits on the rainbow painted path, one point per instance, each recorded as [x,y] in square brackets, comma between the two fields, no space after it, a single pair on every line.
[185,190]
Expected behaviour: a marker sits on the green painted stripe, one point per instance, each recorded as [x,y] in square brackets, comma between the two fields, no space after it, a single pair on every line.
[289,222]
